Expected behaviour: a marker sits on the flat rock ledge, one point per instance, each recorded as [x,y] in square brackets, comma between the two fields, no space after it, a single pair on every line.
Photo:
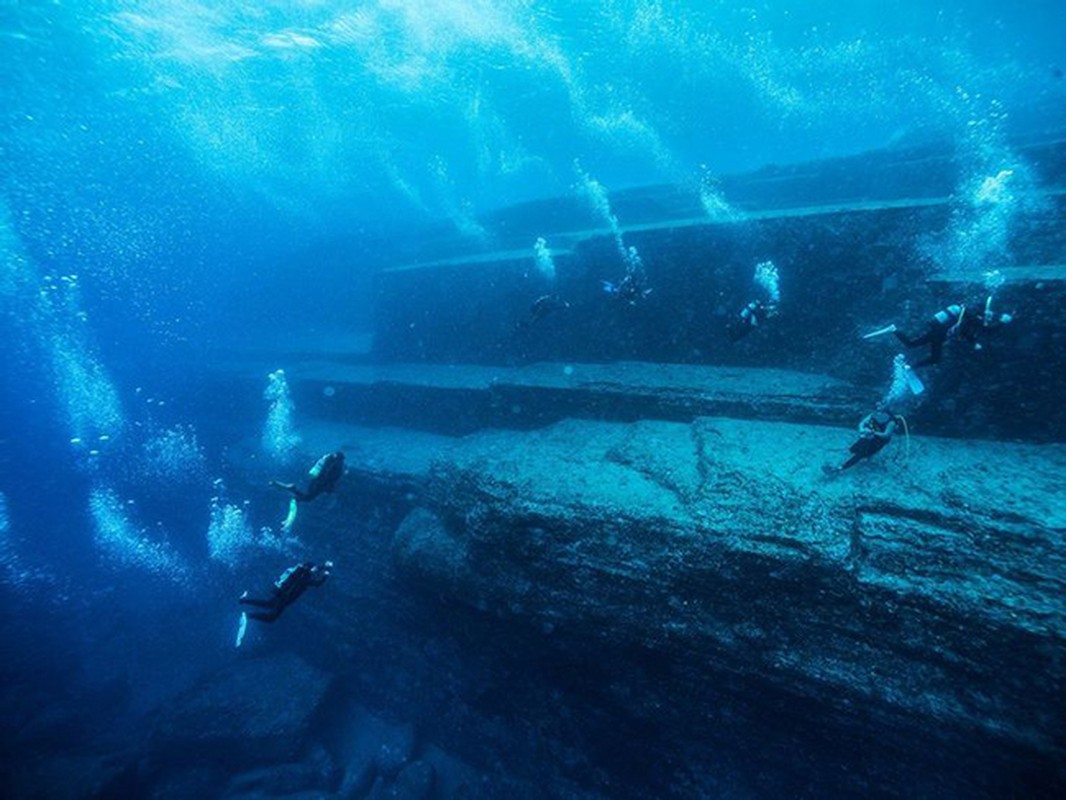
[928,592]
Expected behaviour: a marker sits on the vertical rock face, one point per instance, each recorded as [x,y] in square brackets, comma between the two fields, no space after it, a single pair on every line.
[925,601]
[853,256]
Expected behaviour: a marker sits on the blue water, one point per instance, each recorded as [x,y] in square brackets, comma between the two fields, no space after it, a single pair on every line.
[182,181]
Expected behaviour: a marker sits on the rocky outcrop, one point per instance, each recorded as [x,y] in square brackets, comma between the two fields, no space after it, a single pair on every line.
[458,399]
[925,598]
[64,777]
[315,773]
[258,710]
[855,252]
[657,609]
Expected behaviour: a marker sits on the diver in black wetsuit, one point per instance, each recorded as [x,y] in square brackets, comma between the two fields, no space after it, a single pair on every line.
[750,317]
[324,476]
[631,290]
[540,308]
[875,432]
[957,321]
[954,321]
[292,583]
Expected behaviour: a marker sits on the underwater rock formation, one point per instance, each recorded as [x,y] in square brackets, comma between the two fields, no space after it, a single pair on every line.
[232,715]
[859,242]
[689,608]
[929,596]
[662,594]
[466,397]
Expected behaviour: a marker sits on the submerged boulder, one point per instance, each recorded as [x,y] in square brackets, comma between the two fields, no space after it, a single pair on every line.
[364,746]
[188,782]
[312,774]
[415,782]
[251,711]
[63,776]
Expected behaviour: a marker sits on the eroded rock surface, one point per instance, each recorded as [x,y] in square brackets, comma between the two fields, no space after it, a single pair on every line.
[928,595]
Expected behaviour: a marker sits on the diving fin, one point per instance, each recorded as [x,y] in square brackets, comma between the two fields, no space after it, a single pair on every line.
[290,518]
[881,331]
[914,383]
[242,628]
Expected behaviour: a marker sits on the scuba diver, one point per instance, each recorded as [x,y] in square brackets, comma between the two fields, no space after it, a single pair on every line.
[286,590]
[759,310]
[875,432]
[958,321]
[632,288]
[324,476]
[750,317]
[540,308]
[630,291]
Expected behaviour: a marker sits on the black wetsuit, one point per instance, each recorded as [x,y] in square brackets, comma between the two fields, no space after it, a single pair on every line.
[324,476]
[287,589]
[954,321]
[542,307]
[750,317]
[875,432]
[631,289]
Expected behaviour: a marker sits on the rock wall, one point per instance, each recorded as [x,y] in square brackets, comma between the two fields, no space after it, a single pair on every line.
[924,604]
[689,609]
[642,609]
[845,269]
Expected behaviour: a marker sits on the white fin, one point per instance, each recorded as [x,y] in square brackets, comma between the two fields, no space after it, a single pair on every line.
[880,332]
[290,518]
[242,628]
[914,383]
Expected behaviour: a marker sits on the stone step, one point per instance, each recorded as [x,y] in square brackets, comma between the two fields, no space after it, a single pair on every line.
[1037,275]
[842,274]
[896,178]
[921,593]
[565,242]
[456,399]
